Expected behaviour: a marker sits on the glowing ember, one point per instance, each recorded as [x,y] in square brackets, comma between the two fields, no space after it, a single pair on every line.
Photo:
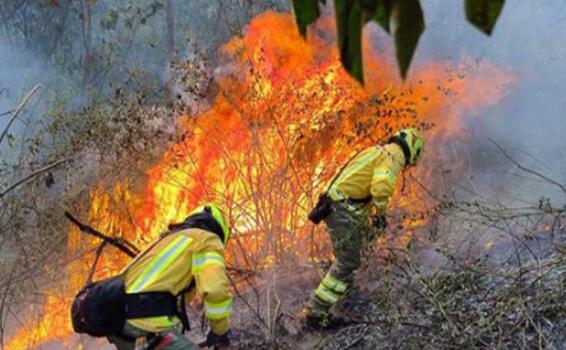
[286,117]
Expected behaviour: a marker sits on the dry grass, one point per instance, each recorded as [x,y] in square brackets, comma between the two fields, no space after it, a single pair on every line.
[508,295]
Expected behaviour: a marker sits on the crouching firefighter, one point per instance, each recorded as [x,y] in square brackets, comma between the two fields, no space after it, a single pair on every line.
[144,306]
[354,210]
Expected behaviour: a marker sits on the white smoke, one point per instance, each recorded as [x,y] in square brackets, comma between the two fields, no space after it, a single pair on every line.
[529,123]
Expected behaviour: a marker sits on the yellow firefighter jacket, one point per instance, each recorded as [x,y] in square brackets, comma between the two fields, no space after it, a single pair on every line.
[171,265]
[371,174]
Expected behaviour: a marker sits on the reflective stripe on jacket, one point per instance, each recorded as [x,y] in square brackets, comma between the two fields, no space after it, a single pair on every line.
[172,264]
[373,173]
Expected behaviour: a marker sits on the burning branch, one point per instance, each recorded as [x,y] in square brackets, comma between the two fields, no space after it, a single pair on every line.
[123,245]
[128,248]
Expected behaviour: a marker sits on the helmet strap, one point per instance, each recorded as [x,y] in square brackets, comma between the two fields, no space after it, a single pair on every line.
[404,146]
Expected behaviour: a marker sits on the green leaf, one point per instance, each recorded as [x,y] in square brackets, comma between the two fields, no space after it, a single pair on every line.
[407,25]
[380,11]
[484,13]
[306,12]
[350,19]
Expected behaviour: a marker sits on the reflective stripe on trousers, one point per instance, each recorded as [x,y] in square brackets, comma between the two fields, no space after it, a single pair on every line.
[346,229]
[330,289]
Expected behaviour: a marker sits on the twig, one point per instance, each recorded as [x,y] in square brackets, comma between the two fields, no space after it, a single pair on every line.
[32,175]
[126,247]
[416,325]
[357,340]
[240,271]
[18,110]
[99,251]
[525,169]
[240,296]
[6,113]
[3,306]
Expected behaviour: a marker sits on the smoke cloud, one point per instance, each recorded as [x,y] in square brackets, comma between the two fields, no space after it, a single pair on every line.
[528,41]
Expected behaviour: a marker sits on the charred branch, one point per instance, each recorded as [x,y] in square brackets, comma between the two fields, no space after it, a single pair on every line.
[123,245]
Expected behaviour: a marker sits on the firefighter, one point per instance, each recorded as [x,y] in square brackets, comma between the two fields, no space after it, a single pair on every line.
[189,259]
[354,210]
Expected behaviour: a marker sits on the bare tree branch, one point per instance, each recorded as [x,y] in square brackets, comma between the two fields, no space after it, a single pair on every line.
[32,175]
[18,110]
[6,113]
[527,170]
[99,251]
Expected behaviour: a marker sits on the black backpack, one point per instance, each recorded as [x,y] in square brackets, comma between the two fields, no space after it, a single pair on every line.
[101,308]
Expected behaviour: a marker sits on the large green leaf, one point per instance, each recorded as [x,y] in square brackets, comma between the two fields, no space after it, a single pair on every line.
[402,18]
[350,20]
[407,25]
[306,12]
[380,11]
[484,13]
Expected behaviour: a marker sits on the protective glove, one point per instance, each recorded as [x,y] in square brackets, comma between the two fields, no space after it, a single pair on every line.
[380,222]
[213,339]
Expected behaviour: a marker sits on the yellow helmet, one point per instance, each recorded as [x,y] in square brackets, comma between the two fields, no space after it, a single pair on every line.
[211,211]
[414,141]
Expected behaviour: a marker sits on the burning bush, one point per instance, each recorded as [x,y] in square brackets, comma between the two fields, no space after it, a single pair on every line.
[285,116]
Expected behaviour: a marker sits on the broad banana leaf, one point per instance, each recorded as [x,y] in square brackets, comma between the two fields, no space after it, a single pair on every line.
[484,13]
[407,26]
[306,12]
[403,19]
[381,12]
[350,20]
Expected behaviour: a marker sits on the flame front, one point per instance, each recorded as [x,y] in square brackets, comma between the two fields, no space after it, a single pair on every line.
[286,116]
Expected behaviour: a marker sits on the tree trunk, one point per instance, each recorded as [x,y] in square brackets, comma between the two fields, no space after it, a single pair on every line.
[88,55]
[170,42]
[170,31]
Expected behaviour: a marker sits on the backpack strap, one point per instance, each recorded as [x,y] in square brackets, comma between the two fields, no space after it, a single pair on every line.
[155,304]
[150,304]
[182,311]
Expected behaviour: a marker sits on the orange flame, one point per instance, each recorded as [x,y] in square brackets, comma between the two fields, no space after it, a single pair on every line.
[286,116]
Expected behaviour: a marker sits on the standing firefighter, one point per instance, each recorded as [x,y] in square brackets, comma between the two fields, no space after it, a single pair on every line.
[146,302]
[367,181]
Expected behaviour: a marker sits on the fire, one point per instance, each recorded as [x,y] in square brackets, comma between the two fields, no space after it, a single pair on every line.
[286,117]
[53,324]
